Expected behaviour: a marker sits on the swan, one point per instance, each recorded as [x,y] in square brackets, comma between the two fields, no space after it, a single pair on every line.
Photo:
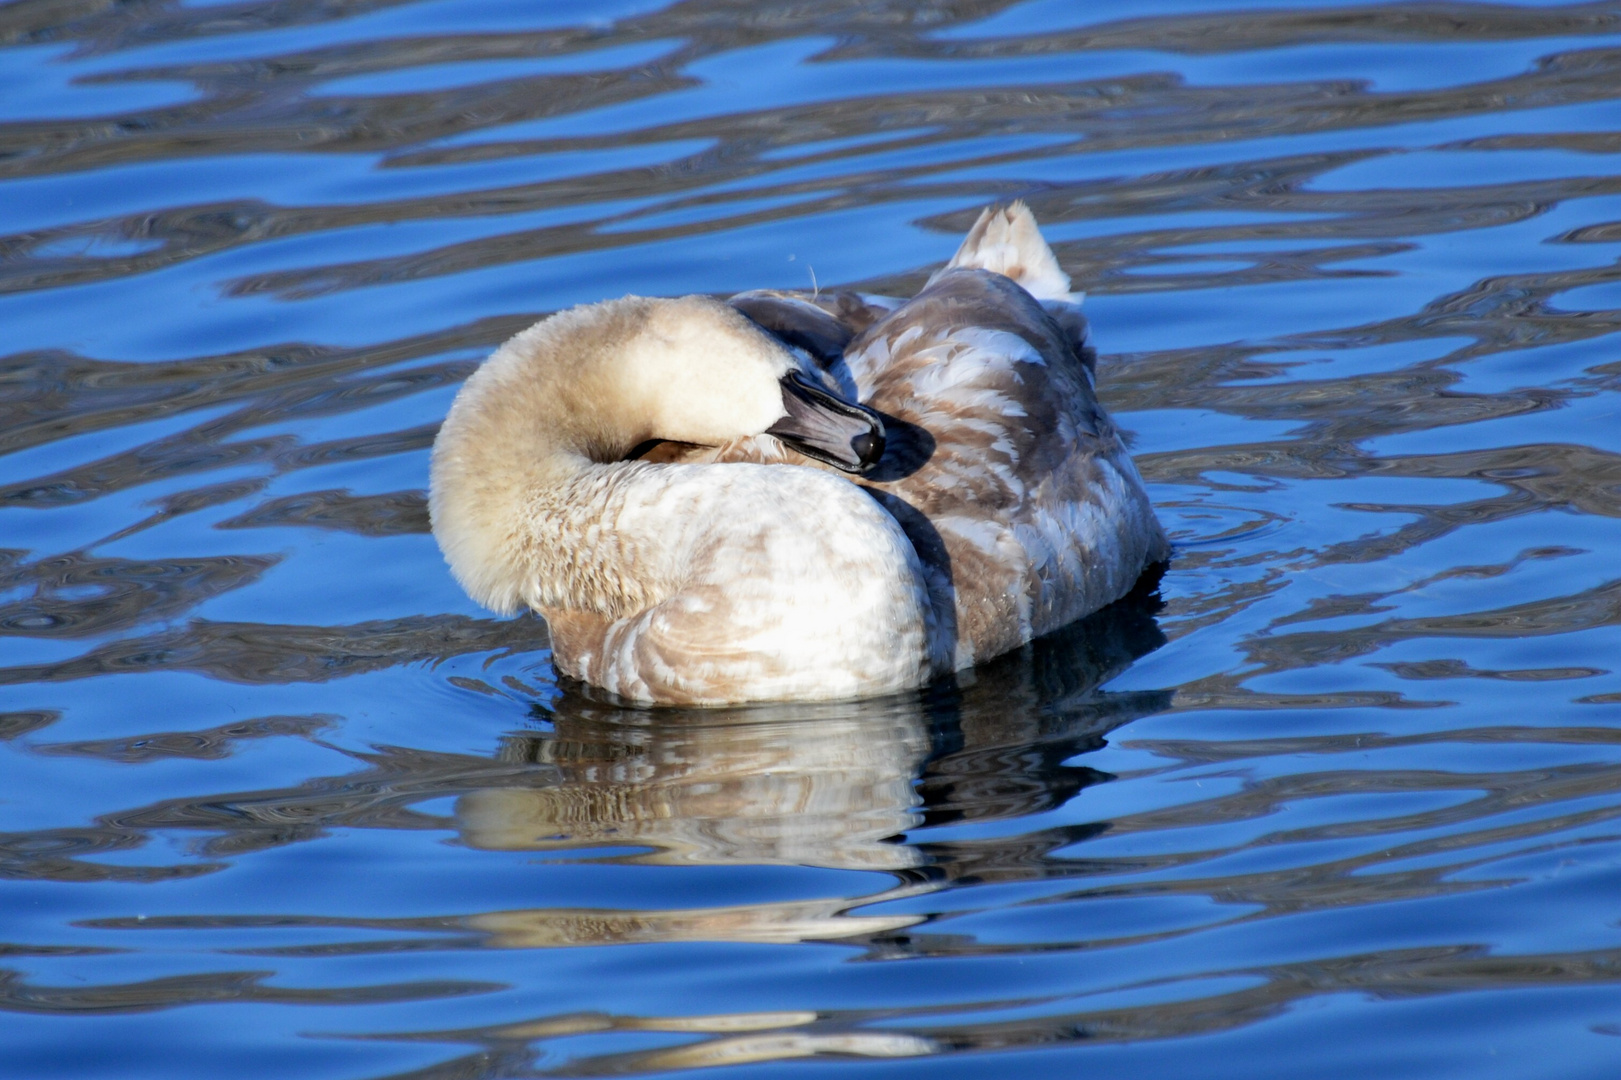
[784,497]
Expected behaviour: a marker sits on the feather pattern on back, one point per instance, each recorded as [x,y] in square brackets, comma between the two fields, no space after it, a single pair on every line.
[1039,515]
[1003,468]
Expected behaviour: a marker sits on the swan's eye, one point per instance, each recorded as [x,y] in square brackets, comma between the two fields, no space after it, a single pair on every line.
[661,451]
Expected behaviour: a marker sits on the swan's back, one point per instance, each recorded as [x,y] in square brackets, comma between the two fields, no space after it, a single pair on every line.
[1007,474]
[1004,470]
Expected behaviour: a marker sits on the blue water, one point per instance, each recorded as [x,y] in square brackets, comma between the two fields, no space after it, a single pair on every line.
[1340,798]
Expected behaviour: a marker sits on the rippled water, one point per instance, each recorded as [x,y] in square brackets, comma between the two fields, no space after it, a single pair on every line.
[1340,796]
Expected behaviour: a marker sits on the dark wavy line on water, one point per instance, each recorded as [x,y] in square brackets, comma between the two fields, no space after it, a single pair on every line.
[208,744]
[273,653]
[514,1049]
[1243,31]
[128,592]
[209,445]
[46,396]
[905,1033]
[397,513]
[16,995]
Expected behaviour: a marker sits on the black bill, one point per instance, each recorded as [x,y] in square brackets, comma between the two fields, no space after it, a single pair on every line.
[824,426]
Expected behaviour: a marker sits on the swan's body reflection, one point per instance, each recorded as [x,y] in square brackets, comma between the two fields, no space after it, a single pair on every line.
[827,785]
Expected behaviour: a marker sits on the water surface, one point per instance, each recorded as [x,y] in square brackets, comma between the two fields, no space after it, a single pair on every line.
[1337,794]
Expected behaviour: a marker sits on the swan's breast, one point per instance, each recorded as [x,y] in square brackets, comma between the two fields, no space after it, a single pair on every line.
[784,583]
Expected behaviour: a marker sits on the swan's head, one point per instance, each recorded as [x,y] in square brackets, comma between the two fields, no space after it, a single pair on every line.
[700,372]
[592,384]
[602,379]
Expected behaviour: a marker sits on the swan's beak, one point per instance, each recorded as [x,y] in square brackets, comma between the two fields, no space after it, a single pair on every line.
[828,428]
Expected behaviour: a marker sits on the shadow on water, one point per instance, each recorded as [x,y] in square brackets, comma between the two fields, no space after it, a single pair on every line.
[833,785]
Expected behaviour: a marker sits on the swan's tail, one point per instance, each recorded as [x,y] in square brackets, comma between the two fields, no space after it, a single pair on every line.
[1006,240]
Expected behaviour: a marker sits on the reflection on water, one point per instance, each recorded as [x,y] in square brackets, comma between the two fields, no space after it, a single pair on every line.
[1341,794]
[833,785]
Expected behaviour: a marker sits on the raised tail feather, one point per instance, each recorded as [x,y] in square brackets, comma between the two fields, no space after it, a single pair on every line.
[1007,241]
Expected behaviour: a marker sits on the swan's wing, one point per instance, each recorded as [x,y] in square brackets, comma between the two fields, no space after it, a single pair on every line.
[798,322]
[1016,479]
[818,325]
[976,361]
[1067,316]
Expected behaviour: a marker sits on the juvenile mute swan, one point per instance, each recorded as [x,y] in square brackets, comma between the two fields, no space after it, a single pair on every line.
[654,478]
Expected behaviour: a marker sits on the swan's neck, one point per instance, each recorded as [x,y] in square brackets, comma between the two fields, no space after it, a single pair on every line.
[524,465]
